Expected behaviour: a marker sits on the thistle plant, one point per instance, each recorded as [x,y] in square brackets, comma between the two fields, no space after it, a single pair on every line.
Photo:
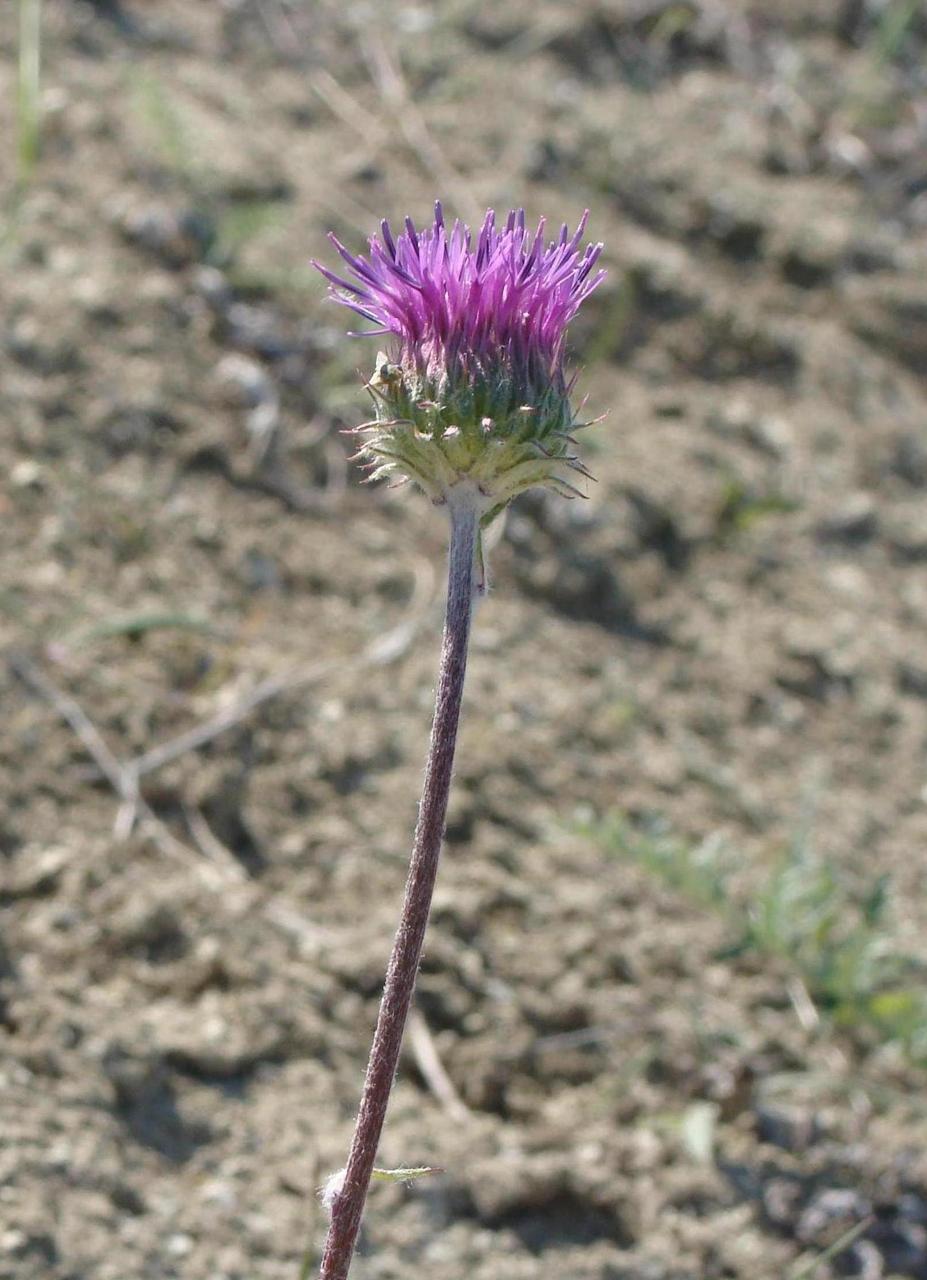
[471,402]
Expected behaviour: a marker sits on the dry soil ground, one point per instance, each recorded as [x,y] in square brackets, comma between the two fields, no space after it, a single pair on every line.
[724,643]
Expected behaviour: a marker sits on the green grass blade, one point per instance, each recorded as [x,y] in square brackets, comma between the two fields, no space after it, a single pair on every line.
[28,91]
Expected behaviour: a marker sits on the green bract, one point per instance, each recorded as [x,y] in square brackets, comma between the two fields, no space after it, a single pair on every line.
[479,429]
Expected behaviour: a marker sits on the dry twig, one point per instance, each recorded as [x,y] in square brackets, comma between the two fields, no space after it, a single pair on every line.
[386,72]
[123,781]
[432,1069]
[382,651]
[218,868]
[210,845]
[120,776]
[346,108]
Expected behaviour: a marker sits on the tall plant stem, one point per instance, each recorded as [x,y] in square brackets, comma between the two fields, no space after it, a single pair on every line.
[348,1205]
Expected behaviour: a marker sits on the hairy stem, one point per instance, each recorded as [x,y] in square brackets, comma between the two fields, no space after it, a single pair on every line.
[348,1204]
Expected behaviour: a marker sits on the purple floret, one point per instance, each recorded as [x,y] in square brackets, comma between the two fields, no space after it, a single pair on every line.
[459,310]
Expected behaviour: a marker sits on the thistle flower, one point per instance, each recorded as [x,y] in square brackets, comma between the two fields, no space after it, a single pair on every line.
[473,387]
[471,402]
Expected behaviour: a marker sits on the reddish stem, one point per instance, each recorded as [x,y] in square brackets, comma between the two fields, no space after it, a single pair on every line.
[348,1205]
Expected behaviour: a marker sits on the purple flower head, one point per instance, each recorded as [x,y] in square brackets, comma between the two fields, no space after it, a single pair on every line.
[473,392]
[460,309]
